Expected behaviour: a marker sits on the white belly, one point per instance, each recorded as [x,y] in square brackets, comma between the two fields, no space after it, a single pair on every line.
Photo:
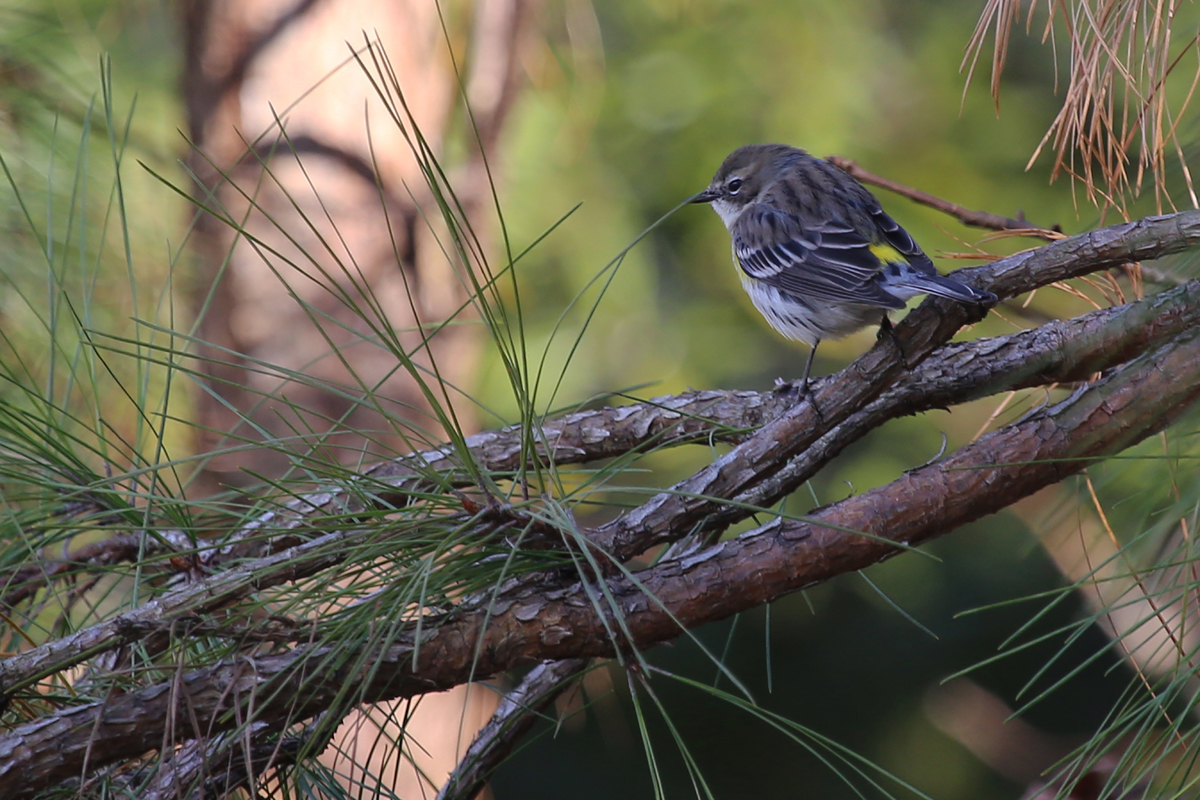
[808,322]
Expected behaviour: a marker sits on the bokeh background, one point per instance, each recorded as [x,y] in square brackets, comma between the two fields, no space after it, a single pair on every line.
[627,107]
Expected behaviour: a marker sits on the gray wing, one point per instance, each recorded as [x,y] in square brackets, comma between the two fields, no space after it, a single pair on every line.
[891,232]
[826,261]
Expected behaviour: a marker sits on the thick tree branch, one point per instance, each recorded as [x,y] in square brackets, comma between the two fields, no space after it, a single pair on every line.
[575,438]
[593,435]
[1099,420]
[584,438]
[693,500]
[1059,351]
[532,622]
[612,431]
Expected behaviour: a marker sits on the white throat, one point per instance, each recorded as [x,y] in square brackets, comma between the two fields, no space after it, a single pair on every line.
[727,211]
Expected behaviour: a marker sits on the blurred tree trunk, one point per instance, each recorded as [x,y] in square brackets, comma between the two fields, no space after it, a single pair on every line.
[314,199]
[332,196]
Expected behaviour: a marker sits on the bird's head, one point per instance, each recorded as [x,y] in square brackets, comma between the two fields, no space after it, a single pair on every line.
[742,177]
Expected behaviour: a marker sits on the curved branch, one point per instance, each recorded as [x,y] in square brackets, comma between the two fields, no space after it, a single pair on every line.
[1057,352]
[1061,351]
[764,469]
[1099,420]
[851,405]
[576,438]
[861,388]
[606,433]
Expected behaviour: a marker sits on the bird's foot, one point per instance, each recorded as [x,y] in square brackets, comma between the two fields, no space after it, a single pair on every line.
[888,331]
[802,389]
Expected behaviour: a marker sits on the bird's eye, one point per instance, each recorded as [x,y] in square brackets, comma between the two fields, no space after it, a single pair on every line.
[735,185]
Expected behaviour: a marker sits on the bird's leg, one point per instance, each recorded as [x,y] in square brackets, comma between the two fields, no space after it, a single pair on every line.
[804,390]
[886,329]
[801,387]
[812,353]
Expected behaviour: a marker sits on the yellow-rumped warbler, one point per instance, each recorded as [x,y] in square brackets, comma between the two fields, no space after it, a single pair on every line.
[817,254]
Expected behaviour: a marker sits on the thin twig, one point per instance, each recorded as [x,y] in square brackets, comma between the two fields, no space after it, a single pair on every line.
[978,219]
[22,584]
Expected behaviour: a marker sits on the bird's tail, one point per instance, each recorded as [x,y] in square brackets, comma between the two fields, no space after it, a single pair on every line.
[909,282]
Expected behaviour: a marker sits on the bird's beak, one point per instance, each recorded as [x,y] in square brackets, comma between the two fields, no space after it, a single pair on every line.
[707,196]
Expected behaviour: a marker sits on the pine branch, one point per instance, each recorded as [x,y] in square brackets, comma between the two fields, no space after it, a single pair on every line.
[711,415]
[553,617]
[591,436]
[765,465]
[1059,351]
[1099,420]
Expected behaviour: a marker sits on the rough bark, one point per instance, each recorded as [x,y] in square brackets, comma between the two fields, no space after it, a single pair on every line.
[531,624]
[1061,351]
[321,261]
[1147,348]
[697,416]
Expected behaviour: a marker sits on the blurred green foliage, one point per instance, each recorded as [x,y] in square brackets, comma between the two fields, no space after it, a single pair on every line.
[84,254]
[678,86]
[632,104]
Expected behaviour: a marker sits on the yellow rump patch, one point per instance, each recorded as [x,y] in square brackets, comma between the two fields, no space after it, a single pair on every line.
[888,254]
